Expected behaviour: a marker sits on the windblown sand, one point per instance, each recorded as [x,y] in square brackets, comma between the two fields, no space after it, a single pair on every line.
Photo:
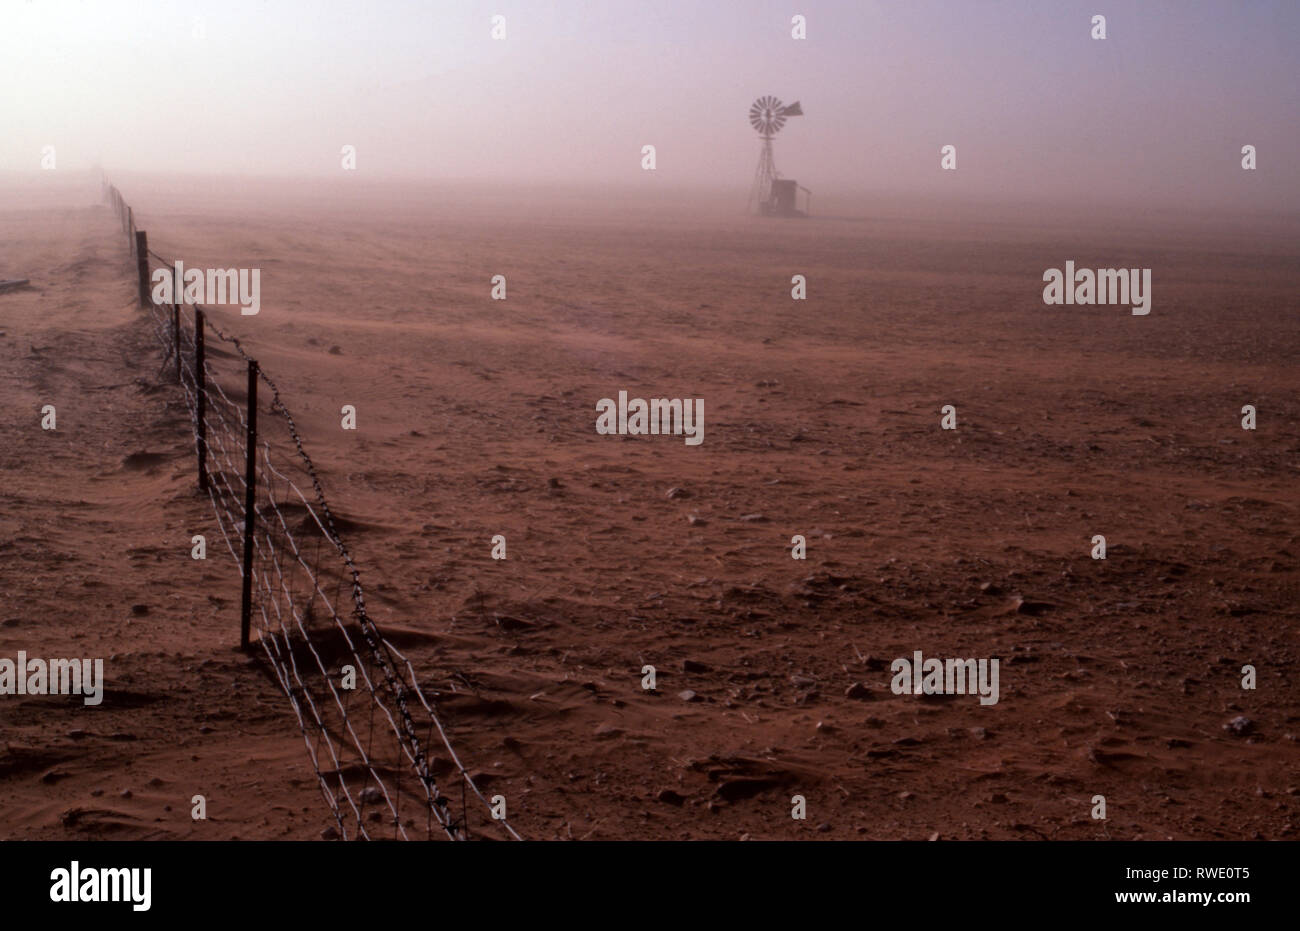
[476,418]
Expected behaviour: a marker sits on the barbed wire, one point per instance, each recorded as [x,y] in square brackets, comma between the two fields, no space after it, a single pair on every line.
[296,583]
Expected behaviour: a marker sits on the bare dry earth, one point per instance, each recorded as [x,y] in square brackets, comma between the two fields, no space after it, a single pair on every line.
[476,417]
[94,526]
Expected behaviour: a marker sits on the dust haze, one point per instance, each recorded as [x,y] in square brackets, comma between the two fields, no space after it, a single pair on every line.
[833,522]
[1153,116]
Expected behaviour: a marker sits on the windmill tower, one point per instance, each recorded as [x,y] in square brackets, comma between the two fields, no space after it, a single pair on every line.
[772,195]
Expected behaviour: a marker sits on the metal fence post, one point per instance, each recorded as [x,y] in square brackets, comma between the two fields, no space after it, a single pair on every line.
[176,318]
[176,339]
[200,399]
[250,485]
[142,264]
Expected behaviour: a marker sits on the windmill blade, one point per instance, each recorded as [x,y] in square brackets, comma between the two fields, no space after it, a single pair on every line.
[767,114]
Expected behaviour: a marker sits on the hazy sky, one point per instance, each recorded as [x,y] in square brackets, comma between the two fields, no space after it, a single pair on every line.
[1155,113]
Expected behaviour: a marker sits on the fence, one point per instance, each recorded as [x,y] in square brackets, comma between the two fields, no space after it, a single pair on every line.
[370,744]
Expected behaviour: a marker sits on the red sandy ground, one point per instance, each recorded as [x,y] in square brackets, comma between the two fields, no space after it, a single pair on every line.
[821,418]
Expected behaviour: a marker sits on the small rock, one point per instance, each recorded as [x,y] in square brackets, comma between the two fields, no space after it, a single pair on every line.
[331,832]
[371,795]
[678,493]
[605,731]
[690,665]
[858,692]
[668,796]
[823,827]
[335,351]
[803,682]
[509,623]
[1021,605]
[688,695]
[139,610]
[752,518]
[1240,725]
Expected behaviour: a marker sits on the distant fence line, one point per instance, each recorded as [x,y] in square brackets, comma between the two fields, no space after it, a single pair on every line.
[298,578]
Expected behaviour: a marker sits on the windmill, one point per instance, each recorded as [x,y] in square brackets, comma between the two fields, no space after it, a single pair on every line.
[773,195]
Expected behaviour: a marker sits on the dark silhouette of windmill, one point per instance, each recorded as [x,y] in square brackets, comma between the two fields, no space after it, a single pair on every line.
[774,196]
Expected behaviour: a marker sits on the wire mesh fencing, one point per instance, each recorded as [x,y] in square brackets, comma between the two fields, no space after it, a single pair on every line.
[381,754]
